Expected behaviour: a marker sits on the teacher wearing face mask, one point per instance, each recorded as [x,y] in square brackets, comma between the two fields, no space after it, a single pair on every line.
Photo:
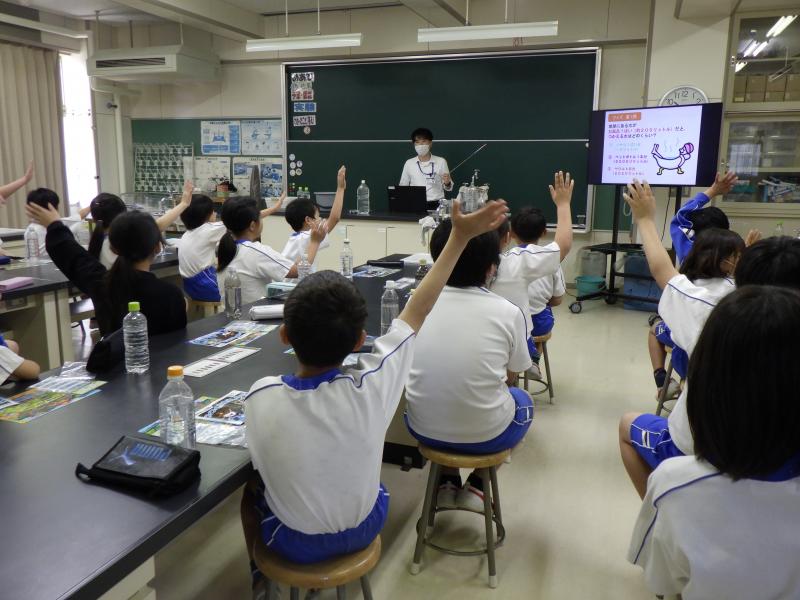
[425,169]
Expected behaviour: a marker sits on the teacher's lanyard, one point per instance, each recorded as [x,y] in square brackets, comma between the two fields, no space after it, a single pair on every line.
[427,175]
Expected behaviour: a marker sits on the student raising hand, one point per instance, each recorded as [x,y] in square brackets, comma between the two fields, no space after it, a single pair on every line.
[641,200]
[43,216]
[643,207]
[723,184]
[473,224]
[561,193]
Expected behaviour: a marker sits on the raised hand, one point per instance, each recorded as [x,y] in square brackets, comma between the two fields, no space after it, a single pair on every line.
[753,236]
[486,219]
[341,178]
[561,190]
[44,216]
[723,184]
[28,172]
[641,200]
[319,231]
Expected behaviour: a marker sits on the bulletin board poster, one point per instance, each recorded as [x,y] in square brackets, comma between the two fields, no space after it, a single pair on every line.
[270,169]
[657,145]
[262,137]
[220,137]
[210,170]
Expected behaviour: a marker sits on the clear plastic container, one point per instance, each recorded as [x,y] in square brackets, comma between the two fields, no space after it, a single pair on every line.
[362,198]
[176,410]
[346,258]
[233,294]
[32,242]
[390,306]
[134,333]
[303,268]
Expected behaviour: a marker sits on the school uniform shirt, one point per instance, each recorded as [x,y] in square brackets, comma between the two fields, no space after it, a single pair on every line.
[541,290]
[681,228]
[519,267]
[317,442]
[704,536]
[457,389]
[73,223]
[107,256]
[257,265]
[197,259]
[9,362]
[297,245]
[684,307]
[428,174]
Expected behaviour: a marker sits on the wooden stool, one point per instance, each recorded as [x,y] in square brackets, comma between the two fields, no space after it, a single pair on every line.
[336,572]
[662,396]
[548,383]
[200,309]
[486,464]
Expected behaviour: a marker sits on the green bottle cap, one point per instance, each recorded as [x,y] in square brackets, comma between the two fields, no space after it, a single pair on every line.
[133,307]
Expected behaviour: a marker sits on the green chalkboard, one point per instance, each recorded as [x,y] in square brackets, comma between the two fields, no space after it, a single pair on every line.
[531,109]
[167,131]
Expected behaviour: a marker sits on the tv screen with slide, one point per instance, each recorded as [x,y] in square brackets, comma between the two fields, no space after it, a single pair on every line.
[669,145]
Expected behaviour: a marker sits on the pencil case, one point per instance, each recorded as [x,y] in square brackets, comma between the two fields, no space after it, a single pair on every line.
[15,282]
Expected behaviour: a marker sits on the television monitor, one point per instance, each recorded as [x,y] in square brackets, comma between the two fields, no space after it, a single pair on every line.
[665,145]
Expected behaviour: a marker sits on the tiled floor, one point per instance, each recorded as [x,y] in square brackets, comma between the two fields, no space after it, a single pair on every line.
[567,504]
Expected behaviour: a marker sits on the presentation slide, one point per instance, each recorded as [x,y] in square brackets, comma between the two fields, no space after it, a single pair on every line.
[659,145]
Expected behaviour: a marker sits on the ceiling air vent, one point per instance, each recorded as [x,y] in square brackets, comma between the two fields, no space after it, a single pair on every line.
[158,64]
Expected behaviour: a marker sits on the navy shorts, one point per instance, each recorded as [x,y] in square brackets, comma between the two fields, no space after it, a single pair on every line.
[203,286]
[513,434]
[650,436]
[307,548]
[680,360]
[543,322]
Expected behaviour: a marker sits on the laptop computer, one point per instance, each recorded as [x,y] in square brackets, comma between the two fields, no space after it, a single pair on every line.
[408,199]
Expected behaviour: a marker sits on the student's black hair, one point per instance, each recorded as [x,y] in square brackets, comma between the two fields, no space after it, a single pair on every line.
[42,197]
[238,213]
[771,261]
[134,236]
[198,212]
[503,229]
[324,317]
[742,403]
[422,132]
[473,265]
[706,218]
[710,249]
[104,209]
[529,224]
[298,210]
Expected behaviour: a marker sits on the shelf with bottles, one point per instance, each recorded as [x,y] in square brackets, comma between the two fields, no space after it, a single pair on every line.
[159,168]
[777,187]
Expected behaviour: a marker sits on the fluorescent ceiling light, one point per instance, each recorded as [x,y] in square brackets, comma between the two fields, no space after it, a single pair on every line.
[758,50]
[740,65]
[750,47]
[780,25]
[45,27]
[342,40]
[488,32]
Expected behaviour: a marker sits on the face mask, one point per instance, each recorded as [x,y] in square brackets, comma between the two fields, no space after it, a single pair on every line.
[422,149]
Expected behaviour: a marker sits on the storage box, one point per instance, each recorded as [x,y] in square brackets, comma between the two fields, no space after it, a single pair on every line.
[756,83]
[324,199]
[754,96]
[636,264]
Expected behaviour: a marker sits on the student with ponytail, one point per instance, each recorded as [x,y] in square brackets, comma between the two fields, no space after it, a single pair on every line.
[255,263]
[135,238]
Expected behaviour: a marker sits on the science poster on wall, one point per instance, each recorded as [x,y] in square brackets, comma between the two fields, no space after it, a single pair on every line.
[270,169]
[220,137]
[210,170]
[262,137]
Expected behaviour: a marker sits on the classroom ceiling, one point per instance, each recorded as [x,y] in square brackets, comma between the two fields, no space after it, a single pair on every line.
[271,7]
[85,9]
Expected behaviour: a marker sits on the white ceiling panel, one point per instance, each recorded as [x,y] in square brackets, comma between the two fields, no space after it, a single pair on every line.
[268,7]
[85,9]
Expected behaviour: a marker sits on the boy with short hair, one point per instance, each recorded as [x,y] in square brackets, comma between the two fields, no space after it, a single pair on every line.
[316,437]
[44,197]
[303,214]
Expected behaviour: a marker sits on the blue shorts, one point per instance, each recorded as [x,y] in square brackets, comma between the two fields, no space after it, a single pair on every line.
[680,360]
[543,322]
[307,548]
[650,436]
[203,286]
[516,430]
[3,341]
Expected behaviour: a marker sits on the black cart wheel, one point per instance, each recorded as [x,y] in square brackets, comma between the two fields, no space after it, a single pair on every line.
[611,299]
[575,308]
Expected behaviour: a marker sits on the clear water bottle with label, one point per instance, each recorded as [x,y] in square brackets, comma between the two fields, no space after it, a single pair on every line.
[32,242]
[347,259]
[233,294]
[362,197]
[134,334]
[390,306]
[176,410]
[303,268]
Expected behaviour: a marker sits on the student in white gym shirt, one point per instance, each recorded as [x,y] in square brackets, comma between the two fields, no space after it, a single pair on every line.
[316,436]
[723,523]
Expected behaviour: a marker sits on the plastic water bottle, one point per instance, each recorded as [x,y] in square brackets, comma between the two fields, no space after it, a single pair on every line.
[32,244]
[347,259]
[422,270]
[176,410]
[390,306]
[362,198]
[303,268]
[233,294]
[779,229]
[134,334]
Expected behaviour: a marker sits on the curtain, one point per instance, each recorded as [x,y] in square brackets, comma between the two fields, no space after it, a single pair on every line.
[29,125]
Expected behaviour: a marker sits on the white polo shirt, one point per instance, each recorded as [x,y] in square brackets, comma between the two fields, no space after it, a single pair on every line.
[257,265]
[704,536]
[519,267]
[685,307]
[457,390]
[197,248]
[107,256]
[297,245]
[541,290]
[427,173]
[317,442]
[9,362]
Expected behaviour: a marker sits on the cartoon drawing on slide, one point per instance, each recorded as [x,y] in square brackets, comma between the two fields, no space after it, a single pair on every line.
[675,163]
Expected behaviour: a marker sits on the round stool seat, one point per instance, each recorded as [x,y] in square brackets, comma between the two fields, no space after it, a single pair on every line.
[326,574]
[464,461]
[539,339]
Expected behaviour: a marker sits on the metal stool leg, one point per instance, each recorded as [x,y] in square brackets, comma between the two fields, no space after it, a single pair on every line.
[427,507]
[365,588]
[294,593]
[487,514]
[547,370]
[662,396]
[496,495]
[341,592]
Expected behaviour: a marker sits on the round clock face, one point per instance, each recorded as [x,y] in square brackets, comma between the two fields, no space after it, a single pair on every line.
[683,94]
